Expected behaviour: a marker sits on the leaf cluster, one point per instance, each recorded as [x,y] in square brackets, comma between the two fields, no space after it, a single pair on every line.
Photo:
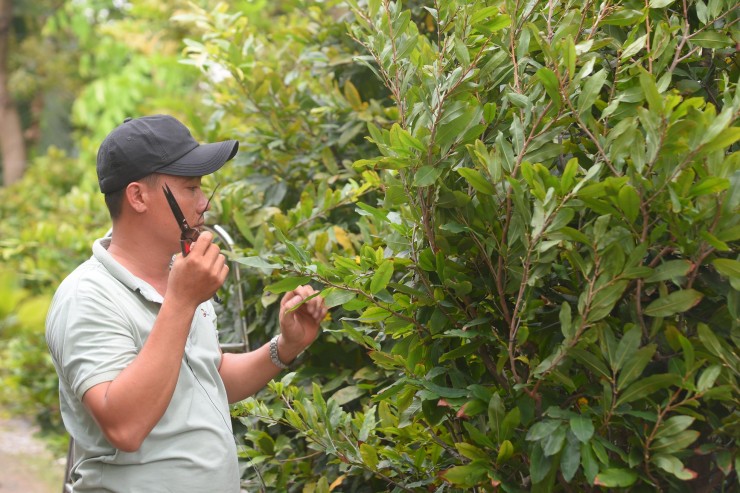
[534,275]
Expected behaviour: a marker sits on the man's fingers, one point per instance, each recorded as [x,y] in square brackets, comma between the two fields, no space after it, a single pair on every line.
[293,302]
[300,292]
[202,244]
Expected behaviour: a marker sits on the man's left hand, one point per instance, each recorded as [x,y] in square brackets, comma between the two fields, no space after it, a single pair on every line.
[299,326]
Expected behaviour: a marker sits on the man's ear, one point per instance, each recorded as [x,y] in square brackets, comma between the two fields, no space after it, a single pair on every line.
[137,196]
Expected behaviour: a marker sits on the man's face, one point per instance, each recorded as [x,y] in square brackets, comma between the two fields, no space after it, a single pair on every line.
[190,197]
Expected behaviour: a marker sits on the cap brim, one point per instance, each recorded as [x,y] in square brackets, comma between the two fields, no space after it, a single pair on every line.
[202,160]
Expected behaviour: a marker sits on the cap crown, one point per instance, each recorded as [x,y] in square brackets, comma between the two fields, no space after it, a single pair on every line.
[139,147]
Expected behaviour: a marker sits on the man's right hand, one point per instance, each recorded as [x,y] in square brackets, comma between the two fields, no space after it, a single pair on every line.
[196,277]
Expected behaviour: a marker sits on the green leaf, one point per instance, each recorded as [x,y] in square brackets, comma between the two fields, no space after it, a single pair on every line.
[674,425]
[553,443]
[335,297]
[624,17]
[496,413]
[550,82]
[460,352]
[258,262]
[710,341]
[729,268]
[615,478]
[591,90]
[426,176]
[672,465]
[478,436]
[634,48]
[711,39]
[296,253]
[461,52]
[505,452]
[688,350]
[471,451]
[302,302]
[539,465]
[446,392]
[629,202]
[655,102]
[368,424]
[627,346]
[721,246]
[709,185]
[659,4]
[511,421]
[504,148]
[592,361]
[569,174]
[374,314]
[725,139]
[407,139]
[570,460]
[347,394]
[542,429]
[676,302]
[454,129]
[467,475]
[675,443]
[496,24]
[708,377]
[566,325]
[286,284]
[604,300]
[369,456]
[476,179]
[588,460]
[379,215]
[382,276]
[582,427]
[635,365]
[670,270]
[568,55]
[645,387]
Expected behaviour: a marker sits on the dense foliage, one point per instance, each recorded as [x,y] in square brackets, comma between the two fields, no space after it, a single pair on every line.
[539,263]
[525,215]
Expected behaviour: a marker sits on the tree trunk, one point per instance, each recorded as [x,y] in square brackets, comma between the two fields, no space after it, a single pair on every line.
[12,145]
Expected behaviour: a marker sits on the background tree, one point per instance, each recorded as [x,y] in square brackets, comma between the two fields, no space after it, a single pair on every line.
[12,146]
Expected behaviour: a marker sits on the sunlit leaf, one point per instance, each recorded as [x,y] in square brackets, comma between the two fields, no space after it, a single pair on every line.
[645,387]
[616,478]
[676,302]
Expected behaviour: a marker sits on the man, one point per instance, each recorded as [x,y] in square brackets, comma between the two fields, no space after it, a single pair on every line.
[144,388]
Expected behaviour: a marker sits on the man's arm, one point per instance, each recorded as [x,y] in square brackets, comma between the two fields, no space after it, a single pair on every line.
[246,374]
[128,408]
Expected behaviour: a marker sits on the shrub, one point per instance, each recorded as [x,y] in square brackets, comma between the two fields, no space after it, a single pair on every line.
[535,277]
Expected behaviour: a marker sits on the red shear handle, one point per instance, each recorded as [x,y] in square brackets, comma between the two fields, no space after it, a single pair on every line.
[189,236]
[185,245]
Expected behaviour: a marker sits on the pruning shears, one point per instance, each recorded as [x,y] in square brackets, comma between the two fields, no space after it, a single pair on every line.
[187,234]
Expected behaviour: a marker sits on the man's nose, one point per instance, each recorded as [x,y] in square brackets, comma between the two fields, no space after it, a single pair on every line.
[208,202]
[204,203]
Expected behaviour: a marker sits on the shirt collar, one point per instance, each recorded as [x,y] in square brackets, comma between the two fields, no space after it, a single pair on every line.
[100,252]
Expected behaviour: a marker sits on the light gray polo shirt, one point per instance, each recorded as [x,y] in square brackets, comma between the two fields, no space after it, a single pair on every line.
[99,320]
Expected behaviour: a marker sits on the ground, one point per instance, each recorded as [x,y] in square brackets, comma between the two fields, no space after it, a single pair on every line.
[26,465]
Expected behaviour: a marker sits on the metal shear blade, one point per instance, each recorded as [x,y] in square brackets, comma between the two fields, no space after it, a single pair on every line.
[188,234]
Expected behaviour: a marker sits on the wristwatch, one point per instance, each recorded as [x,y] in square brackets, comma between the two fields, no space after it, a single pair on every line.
[274,354]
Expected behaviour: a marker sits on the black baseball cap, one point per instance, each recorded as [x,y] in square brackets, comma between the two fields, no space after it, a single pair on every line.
[156,144]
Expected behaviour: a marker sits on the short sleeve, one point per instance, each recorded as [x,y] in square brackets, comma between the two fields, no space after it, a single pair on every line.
[97,342]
